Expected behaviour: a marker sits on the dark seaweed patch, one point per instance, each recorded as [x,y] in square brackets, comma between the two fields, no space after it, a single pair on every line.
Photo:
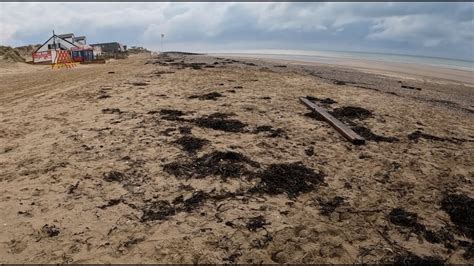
[139,84]
[191,144]
[157,210]
[219,121]
[329,206]
[369,135]
[400,217]
[309,151]
[111,111]
[273,132]
[415,136]
[224,164]
[50,230]
[327,101]
[461,211]
[404,218]
[209,96]
[194,201]
[255,223]
[114,176]
[351,112]
[171,114]
[410,87]
[339,82]
[185,130]
[292,179]
[412,259]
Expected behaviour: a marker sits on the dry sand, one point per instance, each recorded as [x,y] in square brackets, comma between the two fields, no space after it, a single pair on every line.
[91,171]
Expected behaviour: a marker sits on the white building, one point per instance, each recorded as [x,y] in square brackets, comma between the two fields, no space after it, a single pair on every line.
[46,52]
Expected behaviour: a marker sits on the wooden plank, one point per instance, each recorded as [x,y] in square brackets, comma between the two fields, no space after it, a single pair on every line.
[338,125]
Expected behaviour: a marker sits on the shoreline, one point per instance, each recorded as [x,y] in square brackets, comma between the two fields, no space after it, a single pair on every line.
[411,70]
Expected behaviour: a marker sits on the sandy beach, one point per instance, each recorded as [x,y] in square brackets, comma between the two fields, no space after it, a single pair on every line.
[184,158]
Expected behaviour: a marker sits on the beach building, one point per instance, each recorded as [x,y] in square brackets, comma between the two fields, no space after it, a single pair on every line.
[78,47]
[111,48]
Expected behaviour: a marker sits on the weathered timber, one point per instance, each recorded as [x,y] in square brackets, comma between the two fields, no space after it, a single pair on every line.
[338,125]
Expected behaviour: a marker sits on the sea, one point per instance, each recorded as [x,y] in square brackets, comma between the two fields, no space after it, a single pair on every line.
[328,57]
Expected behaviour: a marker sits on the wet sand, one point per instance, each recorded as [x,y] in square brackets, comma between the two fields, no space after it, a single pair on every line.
[404,70]
[196,159]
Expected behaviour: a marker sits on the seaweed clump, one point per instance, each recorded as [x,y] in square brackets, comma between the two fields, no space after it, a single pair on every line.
[329,206]
[413,259]
[220,121]
[291,179]
[461,211]
[209,96]
[191,144]
[273,132]
[256,223]
[171,115]
[351,112]
[369,135]
[224,164]
[157,210]
[415,136]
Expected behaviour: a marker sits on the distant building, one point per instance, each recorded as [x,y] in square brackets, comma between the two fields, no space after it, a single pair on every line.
[111,47]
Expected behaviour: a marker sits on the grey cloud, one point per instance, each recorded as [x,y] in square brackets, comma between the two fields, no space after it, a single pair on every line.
[436,29]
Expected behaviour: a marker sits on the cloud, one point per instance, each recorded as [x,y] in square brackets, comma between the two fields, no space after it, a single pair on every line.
[444,29]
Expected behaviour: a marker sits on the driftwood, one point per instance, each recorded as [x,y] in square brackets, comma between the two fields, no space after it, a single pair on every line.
[338,125]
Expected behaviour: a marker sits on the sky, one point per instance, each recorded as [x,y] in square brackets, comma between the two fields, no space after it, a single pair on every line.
[428,29]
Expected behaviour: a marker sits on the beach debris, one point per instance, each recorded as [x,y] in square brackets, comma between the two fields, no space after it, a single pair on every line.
[255,223]
[309,151]
[351,112]
[460,208]
[410,87]
[191,144]
[111,72]
[111,111]
[220,121]
[196,199]
[110,203]
[412,259]
[167,131]
[103,96]
[339,82]
[326,207]
[219,163]
[369,135]
[185,130]
[338,125]
[403,218]
[157,210]
[280,66]
[72,188]
[171,114]
[209,96]
[327,101]
[274,132]
[50,230]
[139,83]
[400,217]
[114,176]
[289,178]
[415,136]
